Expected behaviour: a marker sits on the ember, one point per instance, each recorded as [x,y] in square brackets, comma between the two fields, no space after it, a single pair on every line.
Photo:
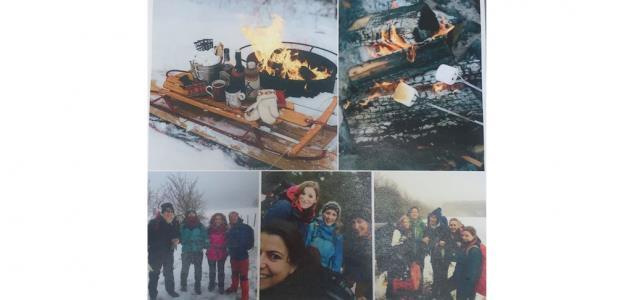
[438,87]
[276,60]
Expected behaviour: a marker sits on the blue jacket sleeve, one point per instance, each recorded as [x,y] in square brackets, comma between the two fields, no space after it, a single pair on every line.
[280,210]
[248,237]
[309,235]
[337,262]
[475,264]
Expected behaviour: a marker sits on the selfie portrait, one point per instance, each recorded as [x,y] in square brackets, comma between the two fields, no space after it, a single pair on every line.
[316,235]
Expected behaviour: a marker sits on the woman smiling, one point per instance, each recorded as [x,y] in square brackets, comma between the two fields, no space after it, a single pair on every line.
[288,270]
[324,234]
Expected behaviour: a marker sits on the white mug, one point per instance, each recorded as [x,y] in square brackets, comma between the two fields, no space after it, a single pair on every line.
[234,99]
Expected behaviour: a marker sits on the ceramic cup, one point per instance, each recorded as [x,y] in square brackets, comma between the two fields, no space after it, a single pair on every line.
[216,90]
[234,99]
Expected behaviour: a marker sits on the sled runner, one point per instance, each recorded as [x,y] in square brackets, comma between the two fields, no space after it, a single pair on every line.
[291,140]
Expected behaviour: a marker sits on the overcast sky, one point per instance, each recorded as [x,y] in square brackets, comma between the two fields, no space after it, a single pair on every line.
[221,190]
[440,187]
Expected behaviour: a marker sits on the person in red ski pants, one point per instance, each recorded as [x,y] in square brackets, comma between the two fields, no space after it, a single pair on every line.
[239,242]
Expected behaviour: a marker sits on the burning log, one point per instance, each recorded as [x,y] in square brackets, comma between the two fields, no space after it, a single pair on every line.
[402,42]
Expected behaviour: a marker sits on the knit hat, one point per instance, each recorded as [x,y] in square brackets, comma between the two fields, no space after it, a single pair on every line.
[166,206]
[332,205]
[364,214]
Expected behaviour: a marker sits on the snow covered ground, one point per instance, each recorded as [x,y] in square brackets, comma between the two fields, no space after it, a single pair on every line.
[248,214]
[168,153]
[177,24]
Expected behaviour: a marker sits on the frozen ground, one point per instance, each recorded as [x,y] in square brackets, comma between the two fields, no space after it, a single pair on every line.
[245,213]
[177,24]
[168,153]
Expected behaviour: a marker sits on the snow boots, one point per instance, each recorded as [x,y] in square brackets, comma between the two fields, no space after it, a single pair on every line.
[173,294]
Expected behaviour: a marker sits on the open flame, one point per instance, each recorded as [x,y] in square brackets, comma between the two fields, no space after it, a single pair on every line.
[390,41]
[383,88]
[445,27]
[274,58]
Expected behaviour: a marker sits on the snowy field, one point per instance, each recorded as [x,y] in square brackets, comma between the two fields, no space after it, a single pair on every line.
[177,24]
[248,215]
[168,153]
[480,224]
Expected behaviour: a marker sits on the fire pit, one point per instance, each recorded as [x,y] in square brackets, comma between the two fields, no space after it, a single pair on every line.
[302,74]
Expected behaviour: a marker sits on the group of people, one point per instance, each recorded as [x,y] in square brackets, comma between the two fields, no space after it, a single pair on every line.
[445,243]
[217,241]
[304,253]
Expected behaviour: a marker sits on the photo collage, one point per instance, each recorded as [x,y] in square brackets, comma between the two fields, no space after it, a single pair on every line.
[316,149]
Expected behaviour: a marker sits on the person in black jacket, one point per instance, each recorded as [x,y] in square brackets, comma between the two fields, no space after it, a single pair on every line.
[288,270]
[239,242]
[436,231]
[163,234]
[358,254]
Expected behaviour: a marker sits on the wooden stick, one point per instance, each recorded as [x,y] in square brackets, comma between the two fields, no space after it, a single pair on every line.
[316,127]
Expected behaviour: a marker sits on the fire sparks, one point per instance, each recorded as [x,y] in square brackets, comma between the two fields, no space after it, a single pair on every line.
[274,58]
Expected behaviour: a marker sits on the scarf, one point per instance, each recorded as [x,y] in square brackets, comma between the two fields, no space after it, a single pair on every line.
[305,215]
[192,222]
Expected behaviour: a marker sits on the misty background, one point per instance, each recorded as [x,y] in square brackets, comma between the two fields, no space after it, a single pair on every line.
[219,190]
[459,194]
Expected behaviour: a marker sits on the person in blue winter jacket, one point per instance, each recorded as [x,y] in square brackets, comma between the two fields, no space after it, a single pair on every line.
[297,206]
[323,234]
[239,241]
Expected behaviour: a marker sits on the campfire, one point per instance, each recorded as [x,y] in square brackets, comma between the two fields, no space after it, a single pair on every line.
[388,40]
[275,59]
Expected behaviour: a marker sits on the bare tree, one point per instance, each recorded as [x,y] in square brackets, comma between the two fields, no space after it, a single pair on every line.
[183,193]
[153,200]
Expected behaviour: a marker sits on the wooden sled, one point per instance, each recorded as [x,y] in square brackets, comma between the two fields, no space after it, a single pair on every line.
[295,141]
